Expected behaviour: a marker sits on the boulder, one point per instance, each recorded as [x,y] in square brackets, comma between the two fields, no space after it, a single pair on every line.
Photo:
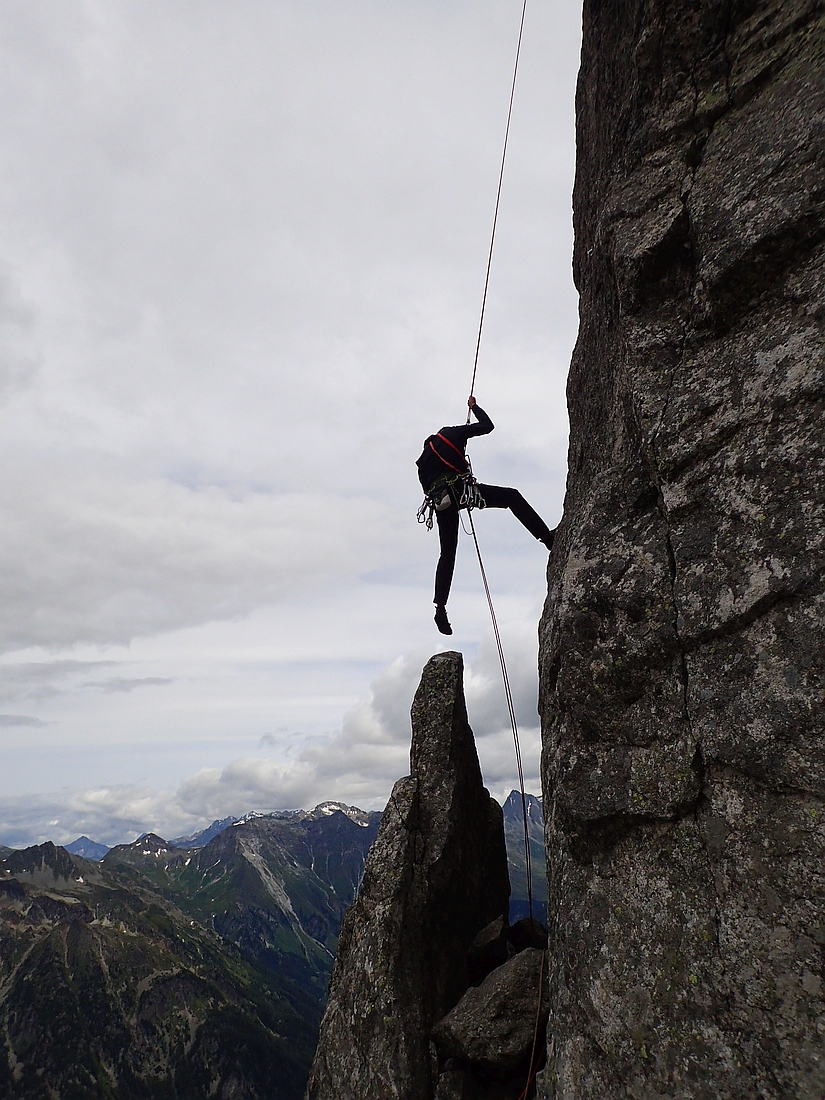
[488,950]
[493,1025]
[527,933]
[435,876]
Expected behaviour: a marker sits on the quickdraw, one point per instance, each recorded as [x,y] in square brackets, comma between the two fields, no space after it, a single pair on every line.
[471,496]
[442,494]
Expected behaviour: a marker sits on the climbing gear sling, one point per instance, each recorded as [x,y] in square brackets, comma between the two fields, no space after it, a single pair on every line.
[440,495]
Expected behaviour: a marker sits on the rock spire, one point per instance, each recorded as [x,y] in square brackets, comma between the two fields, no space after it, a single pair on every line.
[435,877]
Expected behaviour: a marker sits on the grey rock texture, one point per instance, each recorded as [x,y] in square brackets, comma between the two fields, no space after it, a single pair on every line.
[493,1025]
[436,875]
[682,642]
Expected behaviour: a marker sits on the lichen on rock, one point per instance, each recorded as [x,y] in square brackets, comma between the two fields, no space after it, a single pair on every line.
[682,641]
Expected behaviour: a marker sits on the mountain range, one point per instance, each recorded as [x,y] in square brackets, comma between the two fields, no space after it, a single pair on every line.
[167,971]
[516,859]
[174,973]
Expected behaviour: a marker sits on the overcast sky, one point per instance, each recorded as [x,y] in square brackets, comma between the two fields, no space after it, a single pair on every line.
[243,252]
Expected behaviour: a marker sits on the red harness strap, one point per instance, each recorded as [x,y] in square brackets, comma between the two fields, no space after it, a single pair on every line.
[443,459]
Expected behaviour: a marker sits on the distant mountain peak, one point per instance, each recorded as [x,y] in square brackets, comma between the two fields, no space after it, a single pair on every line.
[325,809]
[202,837]
[150,844]
[535,809]
[88,849]
[43,863]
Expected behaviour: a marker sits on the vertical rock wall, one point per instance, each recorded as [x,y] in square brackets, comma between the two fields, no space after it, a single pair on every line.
[682,642]
[436,876]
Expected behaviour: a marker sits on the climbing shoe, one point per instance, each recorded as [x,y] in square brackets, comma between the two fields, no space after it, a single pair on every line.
[441,620]
[548,540]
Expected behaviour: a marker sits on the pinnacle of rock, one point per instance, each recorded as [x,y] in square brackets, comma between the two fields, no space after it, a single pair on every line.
[435,877]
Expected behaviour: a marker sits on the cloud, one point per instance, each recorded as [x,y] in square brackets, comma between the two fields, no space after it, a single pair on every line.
[123,685]
[240,284]
[249,294]
[19,358]
[110,815]
[484,687]
[44,679]
[358,765]
[103,559]
[10,720]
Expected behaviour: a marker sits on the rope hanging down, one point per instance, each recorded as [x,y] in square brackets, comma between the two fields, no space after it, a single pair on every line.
[511,710]
[498,201]
[470,502]
[469,505]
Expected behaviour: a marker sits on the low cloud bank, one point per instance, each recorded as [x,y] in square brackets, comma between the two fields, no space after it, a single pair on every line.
[92,557]
[358,764]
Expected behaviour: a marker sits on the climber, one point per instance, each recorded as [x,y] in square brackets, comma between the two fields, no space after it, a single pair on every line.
[443,471]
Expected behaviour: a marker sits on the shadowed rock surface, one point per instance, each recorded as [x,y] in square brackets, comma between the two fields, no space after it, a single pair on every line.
[681,647]
[492,1026]
[436,875]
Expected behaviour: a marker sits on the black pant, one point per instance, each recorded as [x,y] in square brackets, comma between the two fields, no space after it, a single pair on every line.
[495,496]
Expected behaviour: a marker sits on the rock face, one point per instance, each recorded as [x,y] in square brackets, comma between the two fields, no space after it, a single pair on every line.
[682,642]
[436,875]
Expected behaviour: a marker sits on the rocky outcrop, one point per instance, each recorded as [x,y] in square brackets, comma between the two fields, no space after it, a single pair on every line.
[681,647]
[435,877]
[493,1025]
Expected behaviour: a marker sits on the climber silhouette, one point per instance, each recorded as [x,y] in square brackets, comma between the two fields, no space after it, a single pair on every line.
[442,469]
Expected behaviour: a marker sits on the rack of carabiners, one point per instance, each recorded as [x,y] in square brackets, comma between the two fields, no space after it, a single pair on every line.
[443,494]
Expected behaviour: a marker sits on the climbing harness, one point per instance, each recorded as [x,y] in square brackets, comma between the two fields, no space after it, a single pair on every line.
[441,493]
[438,497]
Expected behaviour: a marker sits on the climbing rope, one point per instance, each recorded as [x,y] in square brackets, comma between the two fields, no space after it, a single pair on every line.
[511,711]
[498,202]
[470,499]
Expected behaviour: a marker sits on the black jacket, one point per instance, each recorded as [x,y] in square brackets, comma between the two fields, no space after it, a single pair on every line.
[439,458]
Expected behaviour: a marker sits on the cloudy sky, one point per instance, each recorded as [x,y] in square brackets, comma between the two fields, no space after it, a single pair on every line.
[242,251]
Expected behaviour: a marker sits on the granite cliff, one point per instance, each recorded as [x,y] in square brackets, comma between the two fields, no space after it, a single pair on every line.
[682,641]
